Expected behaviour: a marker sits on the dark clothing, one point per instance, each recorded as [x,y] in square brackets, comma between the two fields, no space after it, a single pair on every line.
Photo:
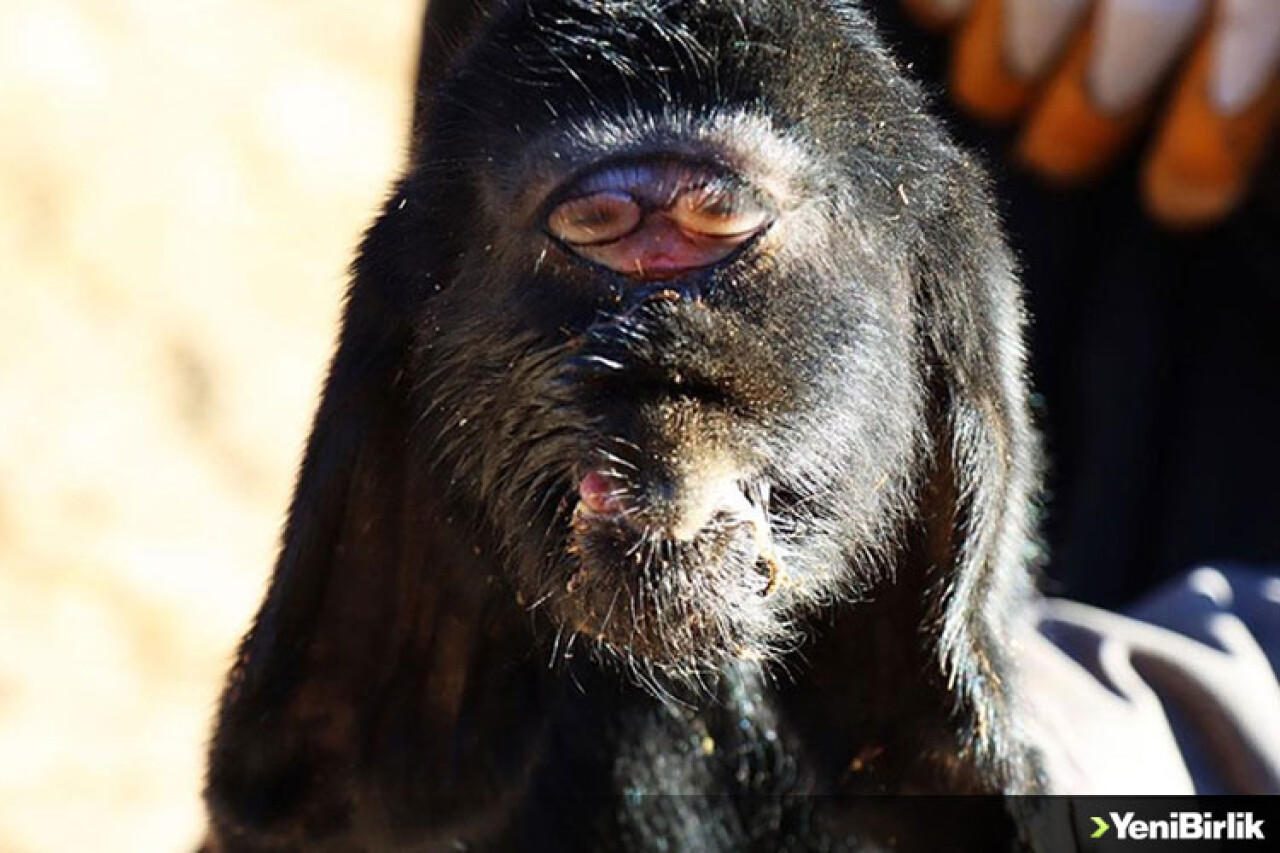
[1156,355]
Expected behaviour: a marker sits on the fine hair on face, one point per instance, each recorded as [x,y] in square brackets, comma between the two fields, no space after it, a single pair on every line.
[682,368]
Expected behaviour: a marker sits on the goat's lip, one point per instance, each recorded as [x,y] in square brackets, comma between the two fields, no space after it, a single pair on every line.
[602,495]
[606,503]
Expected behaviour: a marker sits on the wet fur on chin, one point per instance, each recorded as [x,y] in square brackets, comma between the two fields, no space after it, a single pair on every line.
[418,669]
[674,612]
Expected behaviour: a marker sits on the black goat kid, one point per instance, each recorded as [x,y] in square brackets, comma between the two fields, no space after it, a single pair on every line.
[675,444]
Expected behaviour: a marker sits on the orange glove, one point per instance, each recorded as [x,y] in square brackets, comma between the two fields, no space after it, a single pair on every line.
[1083,75]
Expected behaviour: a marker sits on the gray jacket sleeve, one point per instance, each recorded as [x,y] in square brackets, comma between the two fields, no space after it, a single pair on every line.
[1179,696]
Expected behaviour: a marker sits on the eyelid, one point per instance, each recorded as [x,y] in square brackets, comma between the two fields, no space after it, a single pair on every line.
[617,214]
[742,213]
[657,184]
[657,218]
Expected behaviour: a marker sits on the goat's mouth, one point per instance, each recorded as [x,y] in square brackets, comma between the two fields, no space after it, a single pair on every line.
[684,583]
[719,515]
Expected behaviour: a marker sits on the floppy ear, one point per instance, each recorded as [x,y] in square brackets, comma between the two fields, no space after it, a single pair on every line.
[286,712]
[368,649]
[384,629]
[983,471]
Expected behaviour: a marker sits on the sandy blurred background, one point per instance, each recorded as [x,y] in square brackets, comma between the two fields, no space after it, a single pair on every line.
[181,187]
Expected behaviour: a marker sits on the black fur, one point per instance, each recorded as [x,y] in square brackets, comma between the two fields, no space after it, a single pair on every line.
[446,661]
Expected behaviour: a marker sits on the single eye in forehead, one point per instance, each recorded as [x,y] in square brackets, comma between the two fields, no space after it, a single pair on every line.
[594,219]
[719,211]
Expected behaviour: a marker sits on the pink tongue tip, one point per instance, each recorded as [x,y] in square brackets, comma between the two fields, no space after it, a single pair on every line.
[599,493]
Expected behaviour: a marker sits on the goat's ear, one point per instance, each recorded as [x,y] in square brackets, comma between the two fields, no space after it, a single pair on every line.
[984,471]
[379,615]
[448,26]
[328,614]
